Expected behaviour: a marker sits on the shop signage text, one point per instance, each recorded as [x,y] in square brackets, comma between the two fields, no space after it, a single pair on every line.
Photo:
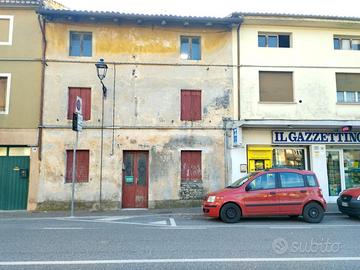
[312,137]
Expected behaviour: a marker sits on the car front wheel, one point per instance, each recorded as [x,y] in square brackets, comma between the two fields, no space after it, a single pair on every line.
[313,213]
[230,213]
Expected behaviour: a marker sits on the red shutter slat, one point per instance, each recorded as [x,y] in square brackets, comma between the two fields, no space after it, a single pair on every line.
[86,100]
[196,105]
[185,105]
[82,166]
[73,92]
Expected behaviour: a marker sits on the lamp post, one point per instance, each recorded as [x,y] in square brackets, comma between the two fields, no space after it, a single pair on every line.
[101,69]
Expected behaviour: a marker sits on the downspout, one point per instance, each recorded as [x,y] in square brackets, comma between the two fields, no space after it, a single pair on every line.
[238,65]
[42,24]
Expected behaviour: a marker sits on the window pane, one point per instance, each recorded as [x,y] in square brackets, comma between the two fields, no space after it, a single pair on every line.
[284,41]
[184,49]
[3,151]
[265,181]
[272,41]
[350,97]
[289,180]
[261,40]
[340,96]
[75,44]
[311,180]
[4,30]
[345,44]
[289,158]
[141,169]
[355,44]
[87,45]
[336,44]
[195,49]
[19,151]
[3,86]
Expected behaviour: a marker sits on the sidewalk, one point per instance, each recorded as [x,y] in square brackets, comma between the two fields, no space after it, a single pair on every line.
[332,209]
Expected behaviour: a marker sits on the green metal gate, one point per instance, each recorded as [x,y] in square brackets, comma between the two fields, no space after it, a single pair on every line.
[14,182]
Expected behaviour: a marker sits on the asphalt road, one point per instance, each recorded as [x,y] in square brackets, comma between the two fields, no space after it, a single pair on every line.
[134,240]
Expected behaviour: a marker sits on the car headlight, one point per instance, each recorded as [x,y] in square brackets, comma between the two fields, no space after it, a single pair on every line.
[358,198]
[211,199]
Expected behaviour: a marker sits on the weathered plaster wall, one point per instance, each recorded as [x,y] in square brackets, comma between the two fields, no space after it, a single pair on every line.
[164,162]
[140,43]
[313,61]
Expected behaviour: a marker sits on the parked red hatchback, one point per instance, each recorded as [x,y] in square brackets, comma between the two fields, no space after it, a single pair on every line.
[273,192]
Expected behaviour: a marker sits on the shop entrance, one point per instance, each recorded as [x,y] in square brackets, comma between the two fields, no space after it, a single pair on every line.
[343,168]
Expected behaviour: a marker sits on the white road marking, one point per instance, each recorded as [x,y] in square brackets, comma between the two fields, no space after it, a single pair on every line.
[113,218]
[161,222]
[172,222]
[199,260]
[64,228]
[290,227]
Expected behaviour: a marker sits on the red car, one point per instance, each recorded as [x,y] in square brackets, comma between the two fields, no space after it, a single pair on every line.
[273,192]
[349,202]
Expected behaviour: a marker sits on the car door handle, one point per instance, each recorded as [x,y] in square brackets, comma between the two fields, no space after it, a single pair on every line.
[272,193]
[303,191]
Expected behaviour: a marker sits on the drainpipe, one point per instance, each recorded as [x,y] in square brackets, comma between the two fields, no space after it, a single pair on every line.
[238,63]
[226,120]
[42,24]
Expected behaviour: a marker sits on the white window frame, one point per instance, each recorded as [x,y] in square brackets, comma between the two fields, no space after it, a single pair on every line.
[7,98]
[350,38]
[11,29]
[277,34]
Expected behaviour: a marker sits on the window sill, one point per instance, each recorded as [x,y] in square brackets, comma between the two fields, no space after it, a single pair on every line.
[347,103]
[276,102]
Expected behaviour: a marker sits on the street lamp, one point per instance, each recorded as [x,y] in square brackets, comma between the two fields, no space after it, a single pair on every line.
[101,69]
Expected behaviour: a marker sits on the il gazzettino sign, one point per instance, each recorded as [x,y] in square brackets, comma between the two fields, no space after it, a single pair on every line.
[315,137]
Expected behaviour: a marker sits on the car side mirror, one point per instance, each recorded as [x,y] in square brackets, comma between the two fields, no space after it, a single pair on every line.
[247,188]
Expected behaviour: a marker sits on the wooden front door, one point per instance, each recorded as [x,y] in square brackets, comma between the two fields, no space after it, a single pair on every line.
[135,179]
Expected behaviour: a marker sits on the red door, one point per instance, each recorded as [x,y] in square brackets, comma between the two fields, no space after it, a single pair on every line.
[261,196]
[135,179]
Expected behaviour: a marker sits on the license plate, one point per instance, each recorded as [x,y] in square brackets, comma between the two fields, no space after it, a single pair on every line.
[345,204]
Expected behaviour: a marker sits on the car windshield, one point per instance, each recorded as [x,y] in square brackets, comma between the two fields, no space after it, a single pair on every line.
[242,180]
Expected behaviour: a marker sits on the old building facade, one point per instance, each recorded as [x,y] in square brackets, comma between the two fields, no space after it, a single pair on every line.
[20,95]
[169,84]
[299,97]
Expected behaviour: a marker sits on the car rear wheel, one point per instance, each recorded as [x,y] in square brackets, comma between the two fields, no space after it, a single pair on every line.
[313,213]
[230,213]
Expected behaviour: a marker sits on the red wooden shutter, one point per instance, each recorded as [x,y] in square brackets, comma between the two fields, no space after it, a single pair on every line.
[82,166]
[185,105]
[73,92]
[85,94]
[196,105]
[191,165]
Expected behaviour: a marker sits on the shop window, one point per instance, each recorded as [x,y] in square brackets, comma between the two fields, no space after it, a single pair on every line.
[191,166]
[80,44]
[346,43]
[82,165]
[85,94]
[265,181]
[291,180]
[190,105]
[3,151]
[274,40]
[6,29]
[19,151]
[190,48]
[352,168]
[289,158]
[348,87]
[276,86]
[4,93]
[333,172]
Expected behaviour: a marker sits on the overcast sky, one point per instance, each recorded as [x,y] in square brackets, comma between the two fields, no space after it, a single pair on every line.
[220,7]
